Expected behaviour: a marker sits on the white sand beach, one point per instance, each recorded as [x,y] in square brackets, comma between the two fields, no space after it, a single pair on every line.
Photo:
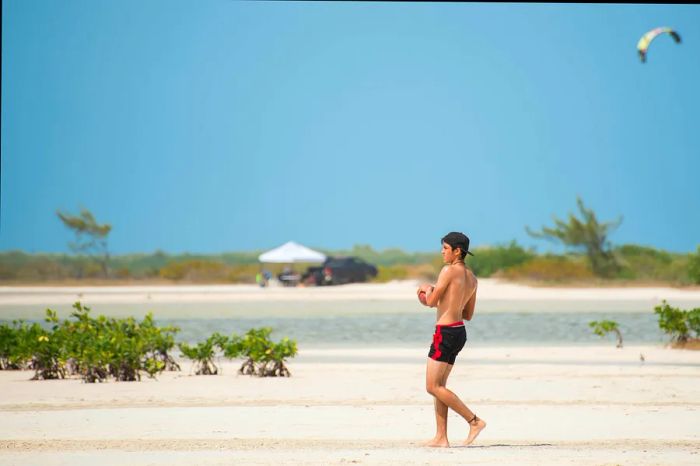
[493,295]
[550,405]
[572,405]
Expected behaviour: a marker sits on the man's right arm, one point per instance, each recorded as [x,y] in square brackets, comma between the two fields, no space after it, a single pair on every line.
[432,298]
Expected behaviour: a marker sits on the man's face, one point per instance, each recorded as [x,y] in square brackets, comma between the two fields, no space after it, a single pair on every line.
[449,254]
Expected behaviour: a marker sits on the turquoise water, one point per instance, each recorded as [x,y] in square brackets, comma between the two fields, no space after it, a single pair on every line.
[493,329]
[379,323]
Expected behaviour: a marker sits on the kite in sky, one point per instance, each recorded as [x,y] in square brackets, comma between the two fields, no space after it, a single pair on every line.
[645,41]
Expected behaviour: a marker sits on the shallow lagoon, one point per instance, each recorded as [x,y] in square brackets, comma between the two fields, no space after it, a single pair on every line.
[367,323]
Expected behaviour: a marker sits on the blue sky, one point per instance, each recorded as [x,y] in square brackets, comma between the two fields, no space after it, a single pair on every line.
[215,126]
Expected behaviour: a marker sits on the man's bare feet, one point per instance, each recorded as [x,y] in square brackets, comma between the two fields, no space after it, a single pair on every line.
[475,429]
[437,442]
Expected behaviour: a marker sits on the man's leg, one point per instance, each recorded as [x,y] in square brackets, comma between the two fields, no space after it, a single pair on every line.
[440,439]
[436,387]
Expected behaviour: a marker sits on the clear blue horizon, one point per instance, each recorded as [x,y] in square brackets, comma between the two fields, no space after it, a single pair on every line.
[219,126]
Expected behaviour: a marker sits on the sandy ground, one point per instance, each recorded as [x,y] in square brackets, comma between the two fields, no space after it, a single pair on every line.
[492,295]
[543,405]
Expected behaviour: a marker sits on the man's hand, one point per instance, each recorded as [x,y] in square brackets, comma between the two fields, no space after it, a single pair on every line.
[426,287]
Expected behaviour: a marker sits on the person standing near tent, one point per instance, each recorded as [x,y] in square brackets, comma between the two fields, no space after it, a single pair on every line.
[454,296]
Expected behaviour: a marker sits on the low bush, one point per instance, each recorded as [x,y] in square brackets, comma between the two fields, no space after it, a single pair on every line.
[203,353]
[678,323]
[603,327]
[92,348]
[489,260]
[391,272]
[122,348]
[388,273]
[49,349]
[242,273]
[694,267]
[97,348]
[17,344]
[195,270]
[650,264]
[550,269]
[263,357]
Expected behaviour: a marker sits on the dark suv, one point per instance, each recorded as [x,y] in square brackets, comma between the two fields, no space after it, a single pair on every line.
[339,270]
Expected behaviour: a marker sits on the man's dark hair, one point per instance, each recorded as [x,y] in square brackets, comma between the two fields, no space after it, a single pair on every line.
[458,240]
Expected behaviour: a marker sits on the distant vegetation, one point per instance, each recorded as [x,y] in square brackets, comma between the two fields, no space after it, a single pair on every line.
[90,238]
[694,266]
[585,234]
[511,261]
[590,258]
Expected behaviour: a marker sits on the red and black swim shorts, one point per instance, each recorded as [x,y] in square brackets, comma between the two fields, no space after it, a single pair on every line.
[448,341]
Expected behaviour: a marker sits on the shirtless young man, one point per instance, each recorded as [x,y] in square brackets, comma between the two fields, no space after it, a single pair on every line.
[454,295]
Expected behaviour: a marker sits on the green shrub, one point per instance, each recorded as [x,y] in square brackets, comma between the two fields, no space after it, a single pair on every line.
[18,344]
[693,320]
[88,345]
[694,267]
[48,348]
[8,343]
[550,269]
[242,273]
[129,353]
[98,348]
[650,264]
[603,327]
[122,348]
[489,260]
[203,354]
[195,270]
[387,273]
[92,348]
[262,357]
[391,272]
[140,346]
[678,323]
[159,343]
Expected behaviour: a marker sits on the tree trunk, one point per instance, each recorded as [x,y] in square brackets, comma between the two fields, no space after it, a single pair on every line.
[619,338]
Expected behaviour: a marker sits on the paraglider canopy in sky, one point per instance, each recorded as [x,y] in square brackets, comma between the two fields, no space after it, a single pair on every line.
[645,41]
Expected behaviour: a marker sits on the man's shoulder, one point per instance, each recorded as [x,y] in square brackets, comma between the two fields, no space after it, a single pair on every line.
[448,272]
[453,270]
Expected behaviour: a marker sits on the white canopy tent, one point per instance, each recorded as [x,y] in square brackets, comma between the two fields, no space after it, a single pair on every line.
[290,253]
